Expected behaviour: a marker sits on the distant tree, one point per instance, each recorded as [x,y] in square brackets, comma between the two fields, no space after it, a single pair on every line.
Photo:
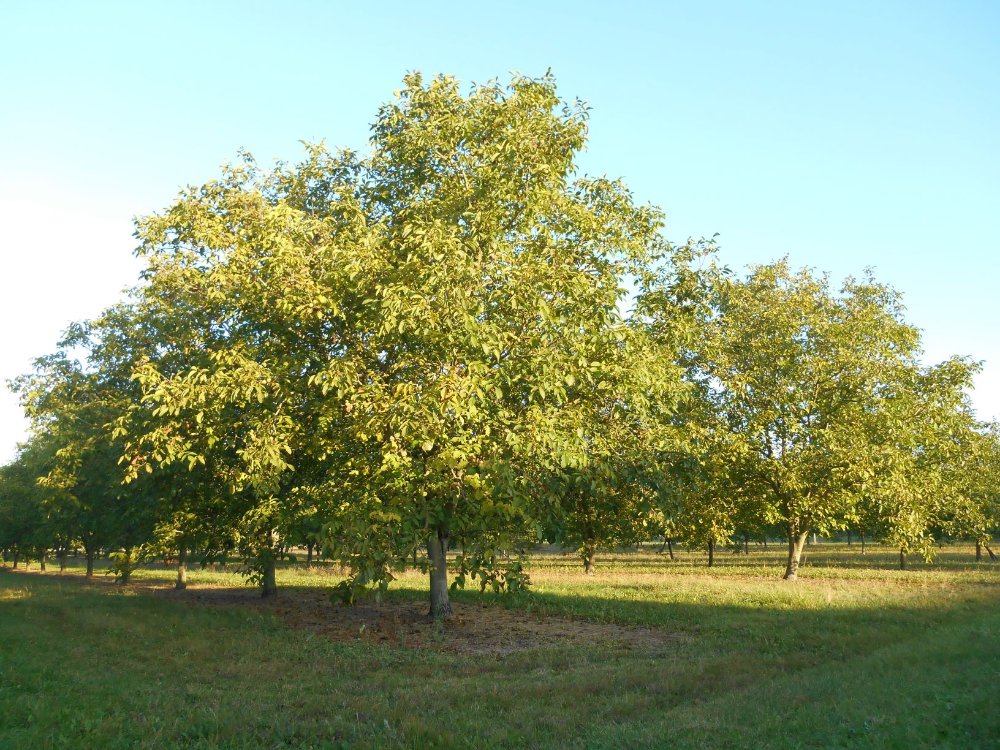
[25,529]
[795,370]
[915,454]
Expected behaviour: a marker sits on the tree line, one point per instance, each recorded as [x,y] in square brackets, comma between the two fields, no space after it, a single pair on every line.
[460,342]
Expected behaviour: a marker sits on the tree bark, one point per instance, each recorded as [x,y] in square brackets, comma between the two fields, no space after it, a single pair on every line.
[902,559]
[268,582]
[42,561]
[16,556]
[670,548]
[90,564]
[62,561]
[796,541]
[309,555]
[588,553]
[848,537]
[437,553]
[979,551]
[711,552]
[862,534]
[182,574]
[993,557]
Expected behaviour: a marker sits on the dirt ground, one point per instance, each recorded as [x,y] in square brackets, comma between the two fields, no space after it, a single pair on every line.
[476,629]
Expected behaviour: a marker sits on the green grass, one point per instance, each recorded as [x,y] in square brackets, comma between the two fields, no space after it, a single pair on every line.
[849,656]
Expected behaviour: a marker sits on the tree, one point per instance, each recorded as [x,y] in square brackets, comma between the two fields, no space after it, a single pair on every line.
[25,527]
[417,326]
[917,456]
[796,372]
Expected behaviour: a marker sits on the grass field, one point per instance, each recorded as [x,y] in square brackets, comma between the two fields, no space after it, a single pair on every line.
[646,653]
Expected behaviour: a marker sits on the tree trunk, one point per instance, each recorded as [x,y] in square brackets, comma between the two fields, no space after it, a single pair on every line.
[588,552]
[670,548]
[309,555]
[796,541]
[711,552]
[993,557]
[848,537]
[182,573]
[62,561]
[41,562]
[90,564]
[902,559]
[746,545]
[16,556]
[268,583]
[862,535]
[979,551]
[437,553]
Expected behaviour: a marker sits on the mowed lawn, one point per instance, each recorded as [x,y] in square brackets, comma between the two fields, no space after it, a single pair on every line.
[854,654]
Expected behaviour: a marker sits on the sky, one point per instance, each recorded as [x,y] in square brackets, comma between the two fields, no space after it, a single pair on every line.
[842,135]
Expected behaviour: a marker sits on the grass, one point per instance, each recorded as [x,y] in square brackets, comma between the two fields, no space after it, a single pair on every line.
[854,654]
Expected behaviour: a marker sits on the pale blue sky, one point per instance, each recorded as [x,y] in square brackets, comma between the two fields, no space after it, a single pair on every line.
[841,134]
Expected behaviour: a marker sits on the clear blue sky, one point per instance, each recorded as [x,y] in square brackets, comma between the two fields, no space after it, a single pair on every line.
[841,134]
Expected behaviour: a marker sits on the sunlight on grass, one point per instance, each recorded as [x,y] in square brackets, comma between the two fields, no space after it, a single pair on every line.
[12,594]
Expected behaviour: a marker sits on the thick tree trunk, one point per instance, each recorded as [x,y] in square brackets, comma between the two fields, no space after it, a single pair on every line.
[588,553]
[268,582]
[41,562]
[90,564]
[902,559]
[182,573]
[979,551]
[309,555]
[16,556]
[796,541]
[437,554]
[711,552]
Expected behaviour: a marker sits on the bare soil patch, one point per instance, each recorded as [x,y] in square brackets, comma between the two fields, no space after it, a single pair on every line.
[475,629]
